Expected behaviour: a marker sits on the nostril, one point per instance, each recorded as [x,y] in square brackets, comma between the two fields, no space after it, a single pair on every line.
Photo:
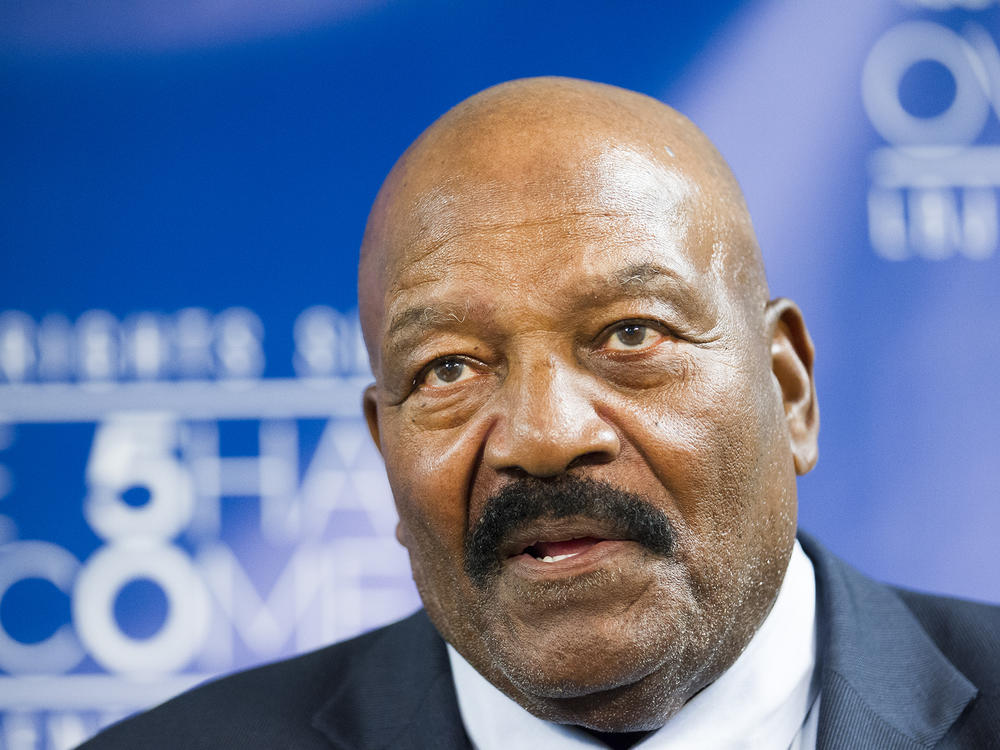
[593,458]
[515,472]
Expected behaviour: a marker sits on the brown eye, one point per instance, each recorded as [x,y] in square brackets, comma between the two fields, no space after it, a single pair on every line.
[633,337]
[447,372]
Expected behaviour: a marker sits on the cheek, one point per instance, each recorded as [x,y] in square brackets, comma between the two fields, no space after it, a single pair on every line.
[428,472]
[707,442]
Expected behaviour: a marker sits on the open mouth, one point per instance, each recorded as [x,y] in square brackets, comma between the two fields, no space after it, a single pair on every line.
[558,540]
[547,548]
[539,530]
[554,551]
[557,554]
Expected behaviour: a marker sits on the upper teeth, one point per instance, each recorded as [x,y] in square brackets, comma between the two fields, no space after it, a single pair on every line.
[557,558]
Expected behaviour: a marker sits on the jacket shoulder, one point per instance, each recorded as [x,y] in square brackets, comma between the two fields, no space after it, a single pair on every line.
[270,706]
[968,634]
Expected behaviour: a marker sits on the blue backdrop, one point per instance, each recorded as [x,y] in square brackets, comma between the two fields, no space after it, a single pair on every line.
[185,483]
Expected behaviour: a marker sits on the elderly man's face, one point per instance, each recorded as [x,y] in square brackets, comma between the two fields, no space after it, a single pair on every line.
[584,429]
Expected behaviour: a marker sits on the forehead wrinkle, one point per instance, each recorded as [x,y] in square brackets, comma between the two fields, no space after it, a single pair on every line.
[608,180]
[421,251]
[438,261]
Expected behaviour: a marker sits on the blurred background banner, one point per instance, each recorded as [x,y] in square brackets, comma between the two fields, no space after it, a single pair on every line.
[186,484]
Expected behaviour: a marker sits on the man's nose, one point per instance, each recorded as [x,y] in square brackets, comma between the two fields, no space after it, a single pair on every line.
[549,423]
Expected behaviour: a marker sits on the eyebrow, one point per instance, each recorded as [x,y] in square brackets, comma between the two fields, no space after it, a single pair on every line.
[652,279]
[637,277]
[426,316]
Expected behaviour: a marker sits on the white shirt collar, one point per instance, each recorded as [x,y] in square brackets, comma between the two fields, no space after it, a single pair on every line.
[761,702]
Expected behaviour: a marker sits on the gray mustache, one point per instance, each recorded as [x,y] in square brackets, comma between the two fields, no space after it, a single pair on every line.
[531,499]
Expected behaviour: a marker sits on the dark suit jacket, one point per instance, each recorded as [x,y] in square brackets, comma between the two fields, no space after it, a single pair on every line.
[898,670]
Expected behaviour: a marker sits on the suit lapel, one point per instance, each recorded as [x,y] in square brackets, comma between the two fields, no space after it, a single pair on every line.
[884,682]
[396,693]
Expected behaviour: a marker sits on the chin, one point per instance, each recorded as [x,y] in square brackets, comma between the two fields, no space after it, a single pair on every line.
[628,672]
[568,680]
[585,656]
[630,705]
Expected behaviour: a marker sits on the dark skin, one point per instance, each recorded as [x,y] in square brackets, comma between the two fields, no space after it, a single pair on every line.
[560,278]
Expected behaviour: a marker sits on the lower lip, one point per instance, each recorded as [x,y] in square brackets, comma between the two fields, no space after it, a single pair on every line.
[593,557]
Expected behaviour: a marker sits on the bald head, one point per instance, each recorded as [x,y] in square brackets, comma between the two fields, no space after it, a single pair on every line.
[531,150]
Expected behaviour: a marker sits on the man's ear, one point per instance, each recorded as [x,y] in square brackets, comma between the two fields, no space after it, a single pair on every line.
[402,536]
[792,365]
[370,405]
